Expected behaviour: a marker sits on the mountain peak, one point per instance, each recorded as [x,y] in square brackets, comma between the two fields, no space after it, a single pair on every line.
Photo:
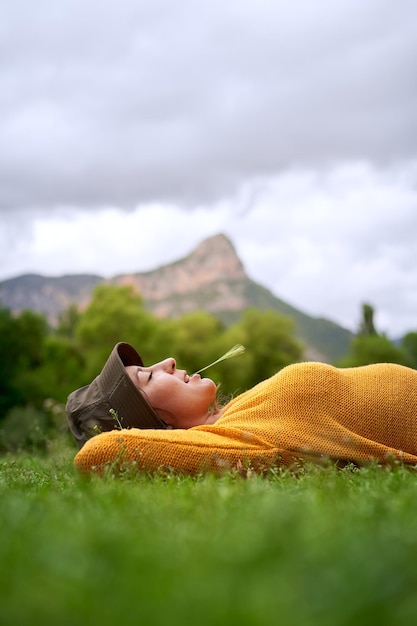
[216,256]
[211,265]
[211,278]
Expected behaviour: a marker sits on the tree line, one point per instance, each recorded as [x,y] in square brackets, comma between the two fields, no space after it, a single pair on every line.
[41,365]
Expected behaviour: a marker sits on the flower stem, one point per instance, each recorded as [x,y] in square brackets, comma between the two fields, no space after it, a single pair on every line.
[235,351]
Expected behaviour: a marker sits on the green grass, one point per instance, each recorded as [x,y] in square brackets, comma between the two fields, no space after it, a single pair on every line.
[326,547]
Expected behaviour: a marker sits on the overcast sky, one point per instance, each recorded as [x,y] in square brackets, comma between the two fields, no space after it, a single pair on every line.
[130,131]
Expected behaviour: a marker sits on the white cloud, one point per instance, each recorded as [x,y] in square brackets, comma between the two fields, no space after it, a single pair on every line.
[110,241]
[183,103]
[290,127]
[323,241]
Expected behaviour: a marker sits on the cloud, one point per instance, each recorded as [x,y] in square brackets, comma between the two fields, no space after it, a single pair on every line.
[325,243]
[130,131]
[131,102]
[329,242]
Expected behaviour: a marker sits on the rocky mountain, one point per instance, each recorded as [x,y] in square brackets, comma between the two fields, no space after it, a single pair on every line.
[211,278]
[48,295]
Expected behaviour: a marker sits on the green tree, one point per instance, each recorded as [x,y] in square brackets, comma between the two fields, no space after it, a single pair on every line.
[367,327]
[67,321]
[115,313]
[370,347]
[61,371]
[33,330]
[22,341]
[10,349]
[270,345]
[409,345]
[194,339]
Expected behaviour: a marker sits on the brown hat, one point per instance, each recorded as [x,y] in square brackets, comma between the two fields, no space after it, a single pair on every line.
[88,409]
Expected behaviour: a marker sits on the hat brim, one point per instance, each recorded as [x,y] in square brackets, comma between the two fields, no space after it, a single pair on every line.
[111,400]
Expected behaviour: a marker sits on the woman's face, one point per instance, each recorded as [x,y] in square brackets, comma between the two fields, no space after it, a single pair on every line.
[180,400]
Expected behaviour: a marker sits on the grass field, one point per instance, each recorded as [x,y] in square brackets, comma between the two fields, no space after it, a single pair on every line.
[326,547]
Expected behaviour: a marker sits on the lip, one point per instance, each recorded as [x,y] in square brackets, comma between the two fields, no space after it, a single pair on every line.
[188,378]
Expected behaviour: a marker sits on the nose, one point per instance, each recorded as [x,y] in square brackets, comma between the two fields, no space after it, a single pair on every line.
[167,365]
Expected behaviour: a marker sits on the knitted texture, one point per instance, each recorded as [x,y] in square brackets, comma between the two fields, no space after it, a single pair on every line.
[307,411]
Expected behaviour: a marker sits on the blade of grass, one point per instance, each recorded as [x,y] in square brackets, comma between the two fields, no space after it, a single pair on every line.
[235,351]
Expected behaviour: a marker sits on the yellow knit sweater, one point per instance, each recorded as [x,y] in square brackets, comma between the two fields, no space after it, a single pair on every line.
[307,410]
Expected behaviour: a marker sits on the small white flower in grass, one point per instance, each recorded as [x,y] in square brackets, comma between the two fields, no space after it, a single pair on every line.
[235,351]
[117,421]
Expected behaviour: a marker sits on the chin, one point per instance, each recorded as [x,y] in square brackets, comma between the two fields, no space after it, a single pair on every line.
[210,382]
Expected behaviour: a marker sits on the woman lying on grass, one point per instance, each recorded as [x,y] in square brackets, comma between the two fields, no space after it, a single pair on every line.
[160,417]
